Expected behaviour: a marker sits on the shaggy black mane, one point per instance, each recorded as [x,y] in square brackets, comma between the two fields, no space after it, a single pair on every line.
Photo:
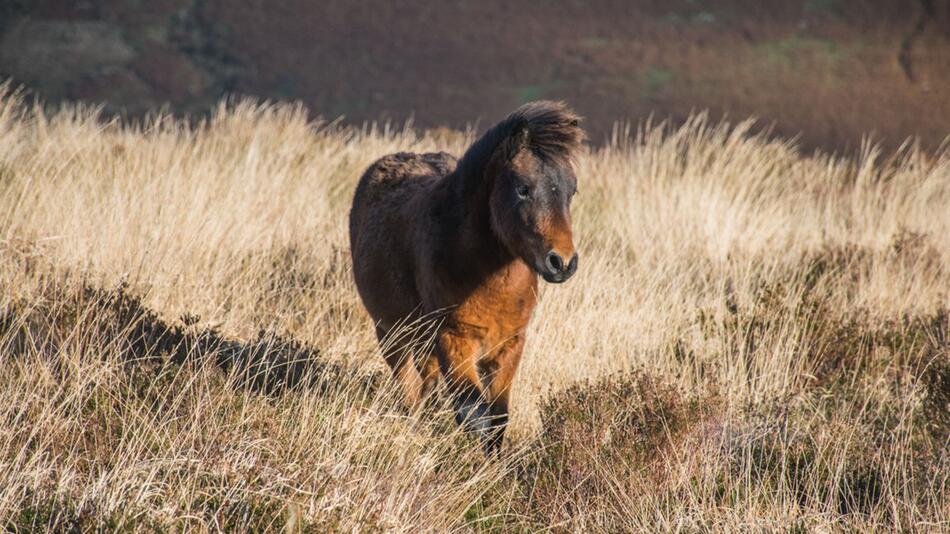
[553,133]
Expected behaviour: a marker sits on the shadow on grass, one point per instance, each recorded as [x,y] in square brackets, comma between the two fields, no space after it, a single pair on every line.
[115,321]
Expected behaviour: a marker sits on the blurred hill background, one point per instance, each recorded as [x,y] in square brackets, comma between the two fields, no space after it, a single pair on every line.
[826,70]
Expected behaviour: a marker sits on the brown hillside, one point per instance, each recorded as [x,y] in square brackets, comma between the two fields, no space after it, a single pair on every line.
[828,70]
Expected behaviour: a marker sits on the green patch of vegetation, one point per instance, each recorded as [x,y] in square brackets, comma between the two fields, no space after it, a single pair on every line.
[821,6]
[694,16]
[534,91]
[703,17]
[286,88]
[789,49]
[482,516]
[655,81]
[594,42]
[530,92]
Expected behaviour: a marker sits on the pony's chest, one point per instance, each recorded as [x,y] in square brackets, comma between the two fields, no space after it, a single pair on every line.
[500,308]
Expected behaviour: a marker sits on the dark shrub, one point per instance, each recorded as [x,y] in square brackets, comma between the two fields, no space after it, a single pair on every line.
[601,444]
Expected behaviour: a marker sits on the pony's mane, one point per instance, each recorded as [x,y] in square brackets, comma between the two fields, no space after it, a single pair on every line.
[553,133]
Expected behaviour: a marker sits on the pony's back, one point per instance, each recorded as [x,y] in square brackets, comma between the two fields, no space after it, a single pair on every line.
[389,207]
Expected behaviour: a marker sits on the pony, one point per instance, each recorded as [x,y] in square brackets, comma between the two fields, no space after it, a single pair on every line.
[465,240]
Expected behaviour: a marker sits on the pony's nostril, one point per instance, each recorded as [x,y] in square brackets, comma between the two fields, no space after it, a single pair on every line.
[555,263]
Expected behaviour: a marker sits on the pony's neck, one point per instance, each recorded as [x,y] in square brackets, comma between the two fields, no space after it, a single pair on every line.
[470,187]
[471,248]
[475,233]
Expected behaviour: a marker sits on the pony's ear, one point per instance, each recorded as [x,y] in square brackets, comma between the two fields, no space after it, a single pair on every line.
[518,139]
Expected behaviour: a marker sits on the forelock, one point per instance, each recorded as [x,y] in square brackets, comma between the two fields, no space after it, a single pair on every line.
[554,130]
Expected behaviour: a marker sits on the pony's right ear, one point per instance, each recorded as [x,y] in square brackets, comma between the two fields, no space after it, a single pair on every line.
[518,139]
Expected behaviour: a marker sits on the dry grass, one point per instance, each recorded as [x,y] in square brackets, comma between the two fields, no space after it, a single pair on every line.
[785,316]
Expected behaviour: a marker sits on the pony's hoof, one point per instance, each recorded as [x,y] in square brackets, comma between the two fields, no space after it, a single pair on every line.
[473,417]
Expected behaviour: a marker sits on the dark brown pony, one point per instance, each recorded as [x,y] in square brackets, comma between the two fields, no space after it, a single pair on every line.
[465,239]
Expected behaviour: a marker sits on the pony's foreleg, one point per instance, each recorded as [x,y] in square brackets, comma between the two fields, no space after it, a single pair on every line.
[404,370]
[499,375]
[428,367]
[457,358]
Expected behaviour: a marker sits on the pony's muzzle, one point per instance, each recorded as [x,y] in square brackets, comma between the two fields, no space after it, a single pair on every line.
[556,269]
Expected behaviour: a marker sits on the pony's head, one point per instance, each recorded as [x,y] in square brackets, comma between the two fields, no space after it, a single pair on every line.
[533,182]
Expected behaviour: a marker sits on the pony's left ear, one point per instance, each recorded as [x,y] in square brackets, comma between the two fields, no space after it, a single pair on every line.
[518,139]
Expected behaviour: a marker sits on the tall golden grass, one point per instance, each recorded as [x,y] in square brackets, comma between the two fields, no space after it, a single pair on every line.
[771,285]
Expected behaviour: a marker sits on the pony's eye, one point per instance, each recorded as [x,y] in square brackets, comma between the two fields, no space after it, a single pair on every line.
[523,191]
